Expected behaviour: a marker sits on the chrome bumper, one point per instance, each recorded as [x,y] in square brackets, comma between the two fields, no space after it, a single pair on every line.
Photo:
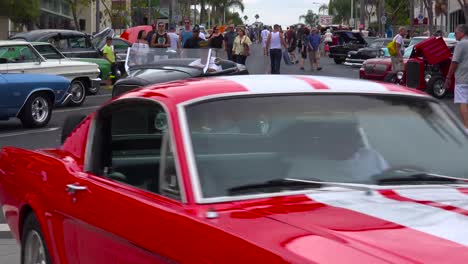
[96,83]
[354,62]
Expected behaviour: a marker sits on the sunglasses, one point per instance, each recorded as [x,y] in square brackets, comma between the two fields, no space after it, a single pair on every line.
[187,22]
[161,26]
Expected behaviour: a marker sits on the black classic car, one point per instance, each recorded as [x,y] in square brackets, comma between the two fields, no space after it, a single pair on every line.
[345,41]
[152,66]
[377,48]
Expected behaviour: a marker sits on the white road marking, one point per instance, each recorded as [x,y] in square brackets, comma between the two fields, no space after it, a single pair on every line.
[4,228]
[76,109]
[430,220]
[35,131]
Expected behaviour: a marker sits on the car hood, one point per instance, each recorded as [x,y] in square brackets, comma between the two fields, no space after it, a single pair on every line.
[73,64]
[386,61]
[385,226]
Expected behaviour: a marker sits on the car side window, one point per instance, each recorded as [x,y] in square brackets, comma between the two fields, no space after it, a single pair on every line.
[59,42]
[17,54]
[135,143]
[120,44]
[78,43]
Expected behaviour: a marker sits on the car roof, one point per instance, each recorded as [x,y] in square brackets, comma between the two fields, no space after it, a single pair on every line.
[36,34]
[190,90]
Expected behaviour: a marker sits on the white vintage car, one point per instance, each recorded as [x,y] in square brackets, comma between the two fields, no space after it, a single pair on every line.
[22,57]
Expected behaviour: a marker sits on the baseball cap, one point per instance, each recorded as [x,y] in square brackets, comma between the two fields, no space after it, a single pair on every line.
[196,28]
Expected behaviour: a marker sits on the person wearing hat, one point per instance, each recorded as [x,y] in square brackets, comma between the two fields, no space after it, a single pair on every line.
[216,39]
[229,37]
[109,54]
[194,41]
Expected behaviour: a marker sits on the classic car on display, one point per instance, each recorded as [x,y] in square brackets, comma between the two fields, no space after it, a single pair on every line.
[373,50]
[49,52]
[22,57]
[344,42]
[164,65]
[381,68]
[247,169]
[31,97]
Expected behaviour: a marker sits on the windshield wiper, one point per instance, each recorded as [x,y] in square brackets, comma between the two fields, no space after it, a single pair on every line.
[409,176]
[293,184]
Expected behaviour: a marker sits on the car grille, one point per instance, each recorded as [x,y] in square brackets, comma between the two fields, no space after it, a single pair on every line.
[412,74]
[375,68]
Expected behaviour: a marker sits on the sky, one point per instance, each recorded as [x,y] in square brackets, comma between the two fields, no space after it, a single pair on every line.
[283,12]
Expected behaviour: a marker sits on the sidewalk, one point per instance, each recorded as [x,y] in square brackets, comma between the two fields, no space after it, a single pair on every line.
[9,251]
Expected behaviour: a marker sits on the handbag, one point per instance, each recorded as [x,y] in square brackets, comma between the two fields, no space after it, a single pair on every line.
[246,49]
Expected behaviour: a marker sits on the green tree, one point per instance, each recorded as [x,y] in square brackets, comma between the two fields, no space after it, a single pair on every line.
[246,18]
[22,12]
[310,18]
[323,8]
[341,10]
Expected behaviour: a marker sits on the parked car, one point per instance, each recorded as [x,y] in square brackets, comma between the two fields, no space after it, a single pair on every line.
[22,57]
[73,44]
[373,50]
[31,97]
[381,68]
[121,47]
[131,34]
[165,65]
[49,52]
[247,169]
[344,42]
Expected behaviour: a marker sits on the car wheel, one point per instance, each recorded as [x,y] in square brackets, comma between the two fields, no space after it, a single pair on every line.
[436,86]
[338,61]
[37,111]
[77,89]
[33,247]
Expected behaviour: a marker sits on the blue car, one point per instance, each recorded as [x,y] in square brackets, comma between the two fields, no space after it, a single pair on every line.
[31,97]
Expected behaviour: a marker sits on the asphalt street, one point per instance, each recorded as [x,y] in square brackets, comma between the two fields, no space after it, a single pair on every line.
[12,133]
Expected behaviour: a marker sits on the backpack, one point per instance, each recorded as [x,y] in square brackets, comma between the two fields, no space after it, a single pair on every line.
[392,49]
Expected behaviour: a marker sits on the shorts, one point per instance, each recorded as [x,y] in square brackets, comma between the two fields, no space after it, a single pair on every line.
[314,56]
[264,43]
[397,65]
[461,94]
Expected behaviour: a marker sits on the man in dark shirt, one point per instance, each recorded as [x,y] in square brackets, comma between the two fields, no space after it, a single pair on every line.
[150,34]
[229,41]
[194,41]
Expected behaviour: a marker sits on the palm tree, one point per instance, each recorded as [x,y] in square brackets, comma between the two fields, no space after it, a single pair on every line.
[323,8]
[310,18]
[246,18]
[340,9]
[223,7]
[256,17]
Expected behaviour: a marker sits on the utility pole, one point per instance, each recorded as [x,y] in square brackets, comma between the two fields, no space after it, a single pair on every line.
[382,12]
[98,16]
[352,9]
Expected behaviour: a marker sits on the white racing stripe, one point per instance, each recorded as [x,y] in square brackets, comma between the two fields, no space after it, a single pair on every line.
[430,220]
[4,228]
[271,83]
[35,131]
[346,85]
[75,109]
[449,196]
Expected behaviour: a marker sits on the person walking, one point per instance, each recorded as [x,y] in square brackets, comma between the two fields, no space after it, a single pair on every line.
[263,38]
[229,37]
[186,33]
[215,40]
[327,40]
[314,49]
[274,43]
[194,41]
[241,46]
[109,54]
[459,66]
[150,34]
[160,39]
[291,42]
[397,59]
[174,38]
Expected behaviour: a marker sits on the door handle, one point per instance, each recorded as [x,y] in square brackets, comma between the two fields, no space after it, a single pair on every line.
[73,188]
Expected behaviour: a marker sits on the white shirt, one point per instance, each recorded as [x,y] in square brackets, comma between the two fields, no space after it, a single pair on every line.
[275,42]
[265,33]
[399,39]
[174,38]
[202,35]
[328,37]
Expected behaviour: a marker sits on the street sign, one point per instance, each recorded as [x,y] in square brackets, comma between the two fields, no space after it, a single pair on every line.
[325,20]
[420,17]
[383,19]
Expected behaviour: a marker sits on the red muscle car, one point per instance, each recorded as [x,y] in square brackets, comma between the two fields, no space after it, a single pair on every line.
[246,169]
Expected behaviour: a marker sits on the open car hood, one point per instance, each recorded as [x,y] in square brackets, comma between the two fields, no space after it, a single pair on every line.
[99,40]
[433,49]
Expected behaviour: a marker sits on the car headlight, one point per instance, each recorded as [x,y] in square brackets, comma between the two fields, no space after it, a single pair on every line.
[427,77]
[399,75]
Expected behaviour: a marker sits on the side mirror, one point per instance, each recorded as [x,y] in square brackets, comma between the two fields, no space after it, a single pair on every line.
[69,125]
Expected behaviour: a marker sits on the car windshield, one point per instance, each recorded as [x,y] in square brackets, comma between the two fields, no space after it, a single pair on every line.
[331,138]
[48,51]
[139,56]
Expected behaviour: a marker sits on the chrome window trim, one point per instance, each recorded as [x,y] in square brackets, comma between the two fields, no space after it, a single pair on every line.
[91,133]
[190,154]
